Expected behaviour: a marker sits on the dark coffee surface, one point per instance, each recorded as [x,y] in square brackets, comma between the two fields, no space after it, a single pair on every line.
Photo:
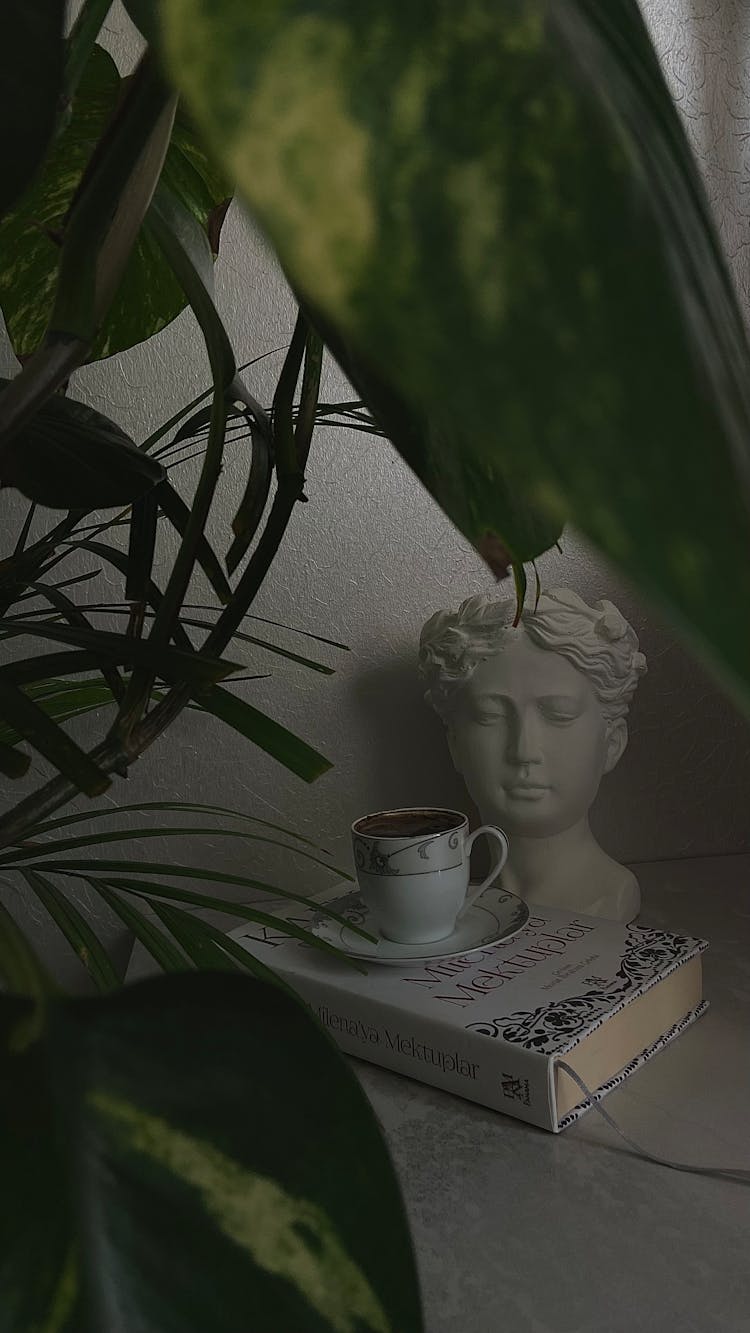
[408,823]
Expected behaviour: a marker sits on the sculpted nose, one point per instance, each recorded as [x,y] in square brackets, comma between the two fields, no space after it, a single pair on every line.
[525,740]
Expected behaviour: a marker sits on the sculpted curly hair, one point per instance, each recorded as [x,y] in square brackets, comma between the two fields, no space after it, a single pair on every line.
[597,640]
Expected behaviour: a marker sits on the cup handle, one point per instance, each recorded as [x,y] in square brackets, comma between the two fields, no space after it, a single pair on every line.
[472,896]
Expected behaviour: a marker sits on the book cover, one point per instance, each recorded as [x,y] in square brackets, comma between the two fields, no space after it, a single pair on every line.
[491,1025]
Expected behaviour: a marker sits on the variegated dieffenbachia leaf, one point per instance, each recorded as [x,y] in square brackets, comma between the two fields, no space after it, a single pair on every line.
[212,1164]
[149,295]
[494,213]
[207,1161]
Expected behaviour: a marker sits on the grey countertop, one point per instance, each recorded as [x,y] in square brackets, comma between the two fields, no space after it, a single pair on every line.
[517,1229]
[521,1231]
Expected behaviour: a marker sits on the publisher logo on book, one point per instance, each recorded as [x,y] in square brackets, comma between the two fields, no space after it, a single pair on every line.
[515,1089]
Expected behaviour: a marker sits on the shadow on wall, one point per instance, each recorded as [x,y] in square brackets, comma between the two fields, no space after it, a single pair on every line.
[408,757]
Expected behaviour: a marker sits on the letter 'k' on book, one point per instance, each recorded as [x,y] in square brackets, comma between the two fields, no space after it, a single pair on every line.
[491,1025]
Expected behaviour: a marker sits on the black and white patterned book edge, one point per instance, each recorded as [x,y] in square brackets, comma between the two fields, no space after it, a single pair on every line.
[700,947]
[577,1111]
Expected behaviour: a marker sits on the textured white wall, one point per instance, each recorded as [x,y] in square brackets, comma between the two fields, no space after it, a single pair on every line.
[370,557]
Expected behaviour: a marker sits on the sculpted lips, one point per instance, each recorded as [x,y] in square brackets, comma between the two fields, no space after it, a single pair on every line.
[527,791]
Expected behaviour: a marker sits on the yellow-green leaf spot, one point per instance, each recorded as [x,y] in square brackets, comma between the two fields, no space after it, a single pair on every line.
[289,117]
[290,1237]
[63,1298]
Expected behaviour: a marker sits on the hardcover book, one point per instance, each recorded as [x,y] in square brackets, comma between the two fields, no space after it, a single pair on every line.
[493,1025]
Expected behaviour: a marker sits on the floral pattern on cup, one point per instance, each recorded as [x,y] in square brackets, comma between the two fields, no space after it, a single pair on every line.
[380,857]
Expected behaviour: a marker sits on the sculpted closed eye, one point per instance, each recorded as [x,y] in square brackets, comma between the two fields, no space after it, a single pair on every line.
[488,717]
[560,711]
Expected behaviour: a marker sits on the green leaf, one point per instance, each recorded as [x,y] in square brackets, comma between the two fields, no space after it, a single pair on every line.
[496,212]
[149,296]
[187,250]
[276,740]
[76,929]
[148,889]
[162,950]
[141,551]
[38,1272]
[50,740]
[271,1201]
[30,669]
[502,518]
[144,14]
[202,951]
[202,933]
[282,925]
[62,704]
[172,663]
[31,78]
[264,643]
[24,975]
[196,807]
[246,521]
[278,624]
[38,849]
[72,457]
[178,513]
[13,763]
[82,40]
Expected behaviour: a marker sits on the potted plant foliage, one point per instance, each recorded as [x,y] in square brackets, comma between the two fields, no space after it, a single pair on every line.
[489,215]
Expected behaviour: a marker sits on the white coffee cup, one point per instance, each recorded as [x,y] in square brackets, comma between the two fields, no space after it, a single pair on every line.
[413,870]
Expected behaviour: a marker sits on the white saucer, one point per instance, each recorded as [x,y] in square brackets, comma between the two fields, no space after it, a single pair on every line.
[495,916]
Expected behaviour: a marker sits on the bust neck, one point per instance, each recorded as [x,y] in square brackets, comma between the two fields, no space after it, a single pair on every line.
[570,870]
[536,861]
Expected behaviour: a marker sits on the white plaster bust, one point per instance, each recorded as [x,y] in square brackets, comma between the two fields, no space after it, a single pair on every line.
[535,716]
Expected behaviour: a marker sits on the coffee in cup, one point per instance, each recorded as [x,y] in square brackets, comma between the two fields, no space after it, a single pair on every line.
[413,870]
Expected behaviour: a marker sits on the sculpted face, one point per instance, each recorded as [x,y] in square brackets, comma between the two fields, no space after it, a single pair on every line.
[530,740]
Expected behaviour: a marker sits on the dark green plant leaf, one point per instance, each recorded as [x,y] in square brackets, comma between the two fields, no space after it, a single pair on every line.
[264,643]
[82,40]
[50,740]
[144,14]
[39,849]
[495,213]
[276,740]
[202,951]
[13,763]
[203,935]
[246,521]
[270,1202]
[159,807]
[178,513]
[149,295]
[148,889]
[38,1277]
[141,548]
[61,705]
[22,973]
[161,948]
[30,669]
[473,491]
[76,929]
[31,80]
[171,663]
[199,423]
[278,624]
[72,457]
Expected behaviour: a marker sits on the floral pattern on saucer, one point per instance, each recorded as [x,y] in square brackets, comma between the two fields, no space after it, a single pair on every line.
[494,917]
